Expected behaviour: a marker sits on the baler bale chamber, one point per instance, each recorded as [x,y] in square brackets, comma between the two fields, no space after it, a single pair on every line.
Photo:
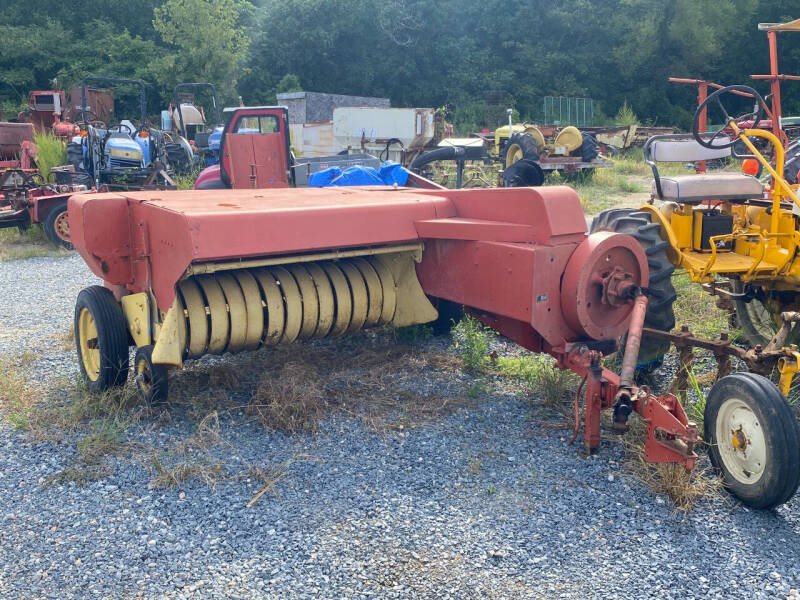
[207,272]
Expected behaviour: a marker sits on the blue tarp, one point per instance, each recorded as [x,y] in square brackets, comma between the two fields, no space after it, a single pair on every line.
[389,173]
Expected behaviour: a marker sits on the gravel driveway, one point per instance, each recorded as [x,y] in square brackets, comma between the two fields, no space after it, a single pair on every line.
[480,503]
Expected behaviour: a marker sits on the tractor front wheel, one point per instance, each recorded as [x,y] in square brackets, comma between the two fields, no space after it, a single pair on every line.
[101,339]
[753,438]
[759,317]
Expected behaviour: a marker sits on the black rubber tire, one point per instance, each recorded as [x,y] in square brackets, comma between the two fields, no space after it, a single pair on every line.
[660,313]
[526,143]
[523,173]
[757,321]
[112,337]
[781,433]
[75,155]
[152,385]
[178,158]
[588,147]
[791,170]
[49,225]
[450,313]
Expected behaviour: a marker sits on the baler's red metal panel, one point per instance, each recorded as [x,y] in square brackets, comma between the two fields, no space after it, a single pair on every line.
[474,229]
[554,213]
[99,227]
[174,229]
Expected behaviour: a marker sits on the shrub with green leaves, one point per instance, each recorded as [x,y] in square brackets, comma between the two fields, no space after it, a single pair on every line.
[471,339]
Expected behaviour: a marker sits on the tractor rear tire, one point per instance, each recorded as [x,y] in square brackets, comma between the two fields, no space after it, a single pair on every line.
[742,411]
[56,225]
[588,148]
[791,170]
[660,313]
[519,146]
[75,155]
[101,339]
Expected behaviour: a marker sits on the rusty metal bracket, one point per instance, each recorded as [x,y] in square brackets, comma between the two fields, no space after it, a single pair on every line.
[759,359]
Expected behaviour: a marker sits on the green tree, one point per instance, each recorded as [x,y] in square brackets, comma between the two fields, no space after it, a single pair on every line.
[205,41]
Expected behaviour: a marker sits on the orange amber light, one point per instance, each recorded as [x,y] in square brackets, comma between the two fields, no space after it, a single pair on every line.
[751,166]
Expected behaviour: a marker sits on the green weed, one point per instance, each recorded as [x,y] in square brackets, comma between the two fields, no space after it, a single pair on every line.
[52,152]
[697,408]
[471,340]
[540,374]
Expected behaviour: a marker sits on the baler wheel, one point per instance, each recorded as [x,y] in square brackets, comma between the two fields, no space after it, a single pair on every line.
[152,384]
[101,339]
[753,438]
[56,225]
[660,313]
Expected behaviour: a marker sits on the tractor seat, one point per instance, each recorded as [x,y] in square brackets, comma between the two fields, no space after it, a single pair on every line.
[716,186]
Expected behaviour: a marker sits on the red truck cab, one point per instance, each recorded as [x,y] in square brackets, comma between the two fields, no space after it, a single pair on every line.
[254,151]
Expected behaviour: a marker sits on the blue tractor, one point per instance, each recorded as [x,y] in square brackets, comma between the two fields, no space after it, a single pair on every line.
[125,155]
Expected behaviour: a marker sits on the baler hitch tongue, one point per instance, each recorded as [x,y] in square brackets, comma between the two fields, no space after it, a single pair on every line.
[671,437]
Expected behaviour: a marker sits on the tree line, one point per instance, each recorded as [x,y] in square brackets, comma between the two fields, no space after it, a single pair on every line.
[466,55]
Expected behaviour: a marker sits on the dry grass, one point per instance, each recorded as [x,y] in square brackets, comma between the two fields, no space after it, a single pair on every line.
[30,244]
[293,399]
[684,488]
[172,475]
[294,388]
[268,478]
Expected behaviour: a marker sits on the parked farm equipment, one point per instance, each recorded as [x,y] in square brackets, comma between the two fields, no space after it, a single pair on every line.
[17,148]
[195,141]
[255,153]
[739,239]
[26,200]
[525,152]
[125,155]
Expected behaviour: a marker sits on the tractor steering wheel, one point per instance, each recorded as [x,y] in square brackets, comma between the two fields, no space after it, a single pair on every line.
[756,115]
[128,130]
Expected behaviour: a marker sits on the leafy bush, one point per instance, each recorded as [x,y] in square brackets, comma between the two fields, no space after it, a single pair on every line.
[52,152]
[471,340]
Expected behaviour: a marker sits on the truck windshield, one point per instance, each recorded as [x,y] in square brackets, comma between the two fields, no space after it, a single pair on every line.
[257,124]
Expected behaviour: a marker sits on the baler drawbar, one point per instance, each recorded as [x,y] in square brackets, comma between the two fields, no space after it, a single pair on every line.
[189,273]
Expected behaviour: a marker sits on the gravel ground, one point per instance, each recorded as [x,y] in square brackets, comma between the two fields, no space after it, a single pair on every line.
[481,503]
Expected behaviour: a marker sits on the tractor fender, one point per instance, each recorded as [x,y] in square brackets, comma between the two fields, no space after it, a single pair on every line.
[210,178]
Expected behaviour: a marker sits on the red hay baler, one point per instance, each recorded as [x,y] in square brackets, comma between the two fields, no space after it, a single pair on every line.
[189,273]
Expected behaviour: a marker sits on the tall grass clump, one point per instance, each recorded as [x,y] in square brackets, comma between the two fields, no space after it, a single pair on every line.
[52,152]
[626,116]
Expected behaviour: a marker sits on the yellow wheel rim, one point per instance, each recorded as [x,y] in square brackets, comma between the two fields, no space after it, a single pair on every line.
[513,154]
[61,226]
[87,338]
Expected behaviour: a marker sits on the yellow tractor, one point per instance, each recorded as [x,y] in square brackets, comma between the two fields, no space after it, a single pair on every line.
[739,237]
[526,152]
